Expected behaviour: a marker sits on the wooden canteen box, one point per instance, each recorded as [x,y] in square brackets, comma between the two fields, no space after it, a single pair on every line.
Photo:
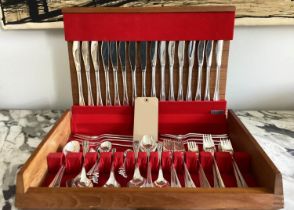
[150,24]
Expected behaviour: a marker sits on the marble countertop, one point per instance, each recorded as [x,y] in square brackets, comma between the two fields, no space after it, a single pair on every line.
[21,132]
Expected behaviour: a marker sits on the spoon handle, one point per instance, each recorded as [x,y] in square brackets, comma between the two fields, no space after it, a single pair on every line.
[58,177]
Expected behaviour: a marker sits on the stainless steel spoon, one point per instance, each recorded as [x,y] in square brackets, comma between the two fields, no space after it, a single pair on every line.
[72,146]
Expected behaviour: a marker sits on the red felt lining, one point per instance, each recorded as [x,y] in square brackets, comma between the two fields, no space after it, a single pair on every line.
[149,26]
[223,159]
[174,118]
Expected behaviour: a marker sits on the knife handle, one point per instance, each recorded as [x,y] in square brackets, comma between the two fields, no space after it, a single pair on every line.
[171,95]
[207,86]
[116,93]
[153,81]
[144,83]
[180,89]
[189,85]
[108,97]
[98,89]
[134,87]
[90,95]
[217,81]
[162,85]
[199,84]
[125,89]
[80,86]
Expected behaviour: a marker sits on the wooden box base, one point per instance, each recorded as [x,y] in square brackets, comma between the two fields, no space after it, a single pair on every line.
[31,175]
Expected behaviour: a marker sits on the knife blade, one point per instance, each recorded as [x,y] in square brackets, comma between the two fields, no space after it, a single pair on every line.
[162,57]
[171,58]
[122,58]
[208,56]
[114,63]
[105,63]
[133,63]
[191,55]
[153,56]
[200,59]
[181,57]
[143,56]
[218,52]
[77,60]
[86,59]
[95,60]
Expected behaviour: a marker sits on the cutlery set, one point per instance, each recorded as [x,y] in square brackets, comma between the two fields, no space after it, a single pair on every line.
[171,143]
[118,56]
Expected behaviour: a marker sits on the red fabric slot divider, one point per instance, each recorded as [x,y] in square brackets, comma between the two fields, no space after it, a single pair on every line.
[149,26]
[73,163]
[243,161]
[206,161]
[55,161]
[224,162]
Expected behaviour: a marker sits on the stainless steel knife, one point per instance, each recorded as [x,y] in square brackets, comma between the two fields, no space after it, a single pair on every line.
[122,58]
[181,57]
[133,63]
[105,62]
[208,56]
[143,56]
[219,53]
[171,58]
[77,60]
[191,55]
[95,60]
[200,58]
[86,59]
[114,63]
[153,56]
[162,58]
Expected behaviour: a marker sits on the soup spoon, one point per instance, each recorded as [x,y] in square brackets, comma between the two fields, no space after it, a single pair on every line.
[72,146]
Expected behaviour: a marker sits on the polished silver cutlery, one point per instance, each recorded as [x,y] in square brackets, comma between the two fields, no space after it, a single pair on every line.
[153,56]
[181,58]
[112,182]
[191,56]
[133,63]
[122,59]
[122,170]
[95,60]
[114,63]
[171,58]
[219,53]
[143,57]
[209,146]
[162,59]
[77,60]
[86,59]
[200,59]
[160,181]
[138,180]
[105,62]
[226,146]
[208,56]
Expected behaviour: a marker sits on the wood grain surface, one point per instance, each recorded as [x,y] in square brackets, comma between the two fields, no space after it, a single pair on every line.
[252,12]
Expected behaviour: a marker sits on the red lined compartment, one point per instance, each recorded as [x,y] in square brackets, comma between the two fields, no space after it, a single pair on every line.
[142,26]
[74,164]
[174,118]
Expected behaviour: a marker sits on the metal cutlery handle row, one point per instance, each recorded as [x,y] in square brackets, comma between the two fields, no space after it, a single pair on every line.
[114,54]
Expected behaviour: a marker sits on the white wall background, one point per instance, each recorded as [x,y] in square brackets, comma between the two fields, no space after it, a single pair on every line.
[34,71]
